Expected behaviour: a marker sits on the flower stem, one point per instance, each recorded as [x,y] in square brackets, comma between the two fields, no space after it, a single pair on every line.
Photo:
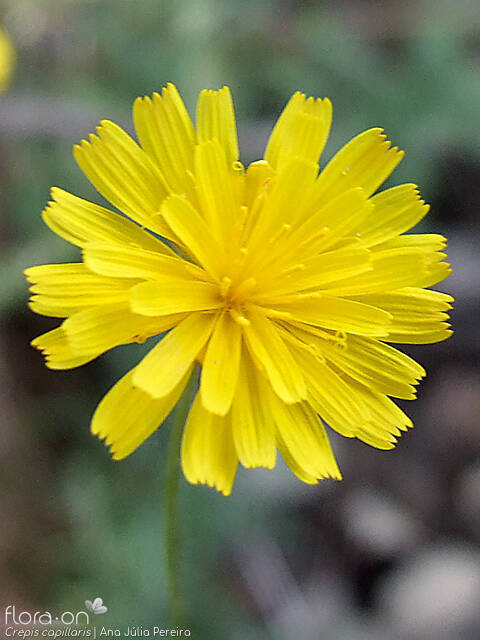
[172,534]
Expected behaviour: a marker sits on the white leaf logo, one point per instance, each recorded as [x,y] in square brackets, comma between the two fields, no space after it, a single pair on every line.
[96,606]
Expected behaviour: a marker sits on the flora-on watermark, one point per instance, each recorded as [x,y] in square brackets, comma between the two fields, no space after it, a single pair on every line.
[43,618]
[43,624]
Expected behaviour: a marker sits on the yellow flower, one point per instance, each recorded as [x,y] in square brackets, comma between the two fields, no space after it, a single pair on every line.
[284,283]
[7,59]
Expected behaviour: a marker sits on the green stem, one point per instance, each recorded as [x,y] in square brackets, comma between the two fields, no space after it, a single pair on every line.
[172,534]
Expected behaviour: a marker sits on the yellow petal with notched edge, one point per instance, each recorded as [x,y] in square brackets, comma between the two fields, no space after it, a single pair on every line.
[161,369]
[412,301]
[216,121]
[366,161]
[208,452]
[174,295]
[220,365]
[421,335]
[131,262]
[386,419]
[280,131]
[123,173]
[58,351]
[378,355]
[127,416]
[62,289]
[428,242]
[166,134]
[302,130]
[104,327]
[419,316]
[394,211]
[266,346]
[428,245]
[79,222]
[419,330]
[331,396]
[252,423]
[303,436]
[292,464]
[338,314]
[390,269]
[195,233]
[347,360]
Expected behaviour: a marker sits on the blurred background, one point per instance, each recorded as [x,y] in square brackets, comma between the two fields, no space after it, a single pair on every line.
[389,553]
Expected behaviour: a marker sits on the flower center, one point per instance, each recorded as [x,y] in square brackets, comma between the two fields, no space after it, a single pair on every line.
[235,294]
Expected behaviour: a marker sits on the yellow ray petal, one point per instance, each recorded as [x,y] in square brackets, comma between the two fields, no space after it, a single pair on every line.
[330,224]
[377,372]
[216,121]
[257,179]
[421,335]
[122,261]
[166,364]
[428,242]
[287,197]
[351,408]
[127,416]
[252,423]
[124,174]
[390,269]
[412,300]
[63,289]
[318,272]
[195,234]
[220,365]
[385,422]
[394,211]
[418,315]
[104,327]
[331,397]
[368,435]
[266,346]
[334,313]
[436,272]
[217,189]
[301,130]
[174,295]
[385,416]
[377,355]
[418,329]
[166,133]
[58,352]
[292,464]
[366,161]
[79,222]
[302,434]
[208,452]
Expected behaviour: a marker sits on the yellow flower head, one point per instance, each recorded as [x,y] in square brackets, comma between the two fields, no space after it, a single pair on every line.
[283,282]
